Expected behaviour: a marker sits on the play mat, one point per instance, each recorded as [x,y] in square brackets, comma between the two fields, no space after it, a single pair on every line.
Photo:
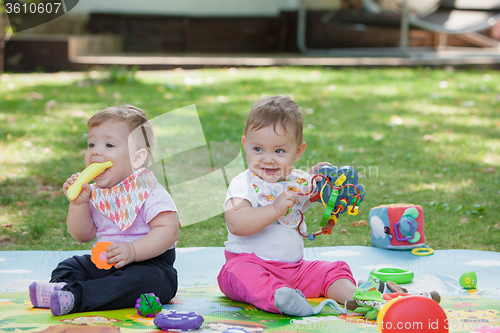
[467,311]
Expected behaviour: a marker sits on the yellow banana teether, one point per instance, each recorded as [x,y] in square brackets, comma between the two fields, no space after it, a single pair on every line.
[90,172]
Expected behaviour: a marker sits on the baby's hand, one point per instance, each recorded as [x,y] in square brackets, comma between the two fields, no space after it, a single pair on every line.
[84,196]
[121,253]
[285,201]
[314,170]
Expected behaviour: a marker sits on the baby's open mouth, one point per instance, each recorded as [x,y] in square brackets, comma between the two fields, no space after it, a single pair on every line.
[269,171]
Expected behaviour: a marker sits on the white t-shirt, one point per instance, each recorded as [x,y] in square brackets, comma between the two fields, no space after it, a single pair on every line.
[275,242]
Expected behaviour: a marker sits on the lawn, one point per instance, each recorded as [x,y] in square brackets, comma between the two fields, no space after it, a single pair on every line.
[423,136]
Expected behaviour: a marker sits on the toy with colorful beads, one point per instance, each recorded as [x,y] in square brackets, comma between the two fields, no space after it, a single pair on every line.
[340,193]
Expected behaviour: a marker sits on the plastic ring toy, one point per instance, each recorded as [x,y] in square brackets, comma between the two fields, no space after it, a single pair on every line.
[422,251]
[178,320]
[397,275]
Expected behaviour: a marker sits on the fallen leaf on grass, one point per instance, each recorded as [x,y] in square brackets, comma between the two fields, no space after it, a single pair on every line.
[20,203]
[359,223]
[35,96]
[490,169]
[344,231]
[46,188]
[50,105]
[496,226]
[8,225]
[428,138]
[464,220]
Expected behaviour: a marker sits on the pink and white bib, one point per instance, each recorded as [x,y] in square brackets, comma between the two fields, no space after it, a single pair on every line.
[122,202]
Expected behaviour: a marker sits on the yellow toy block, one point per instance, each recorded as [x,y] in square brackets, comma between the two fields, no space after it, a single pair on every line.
[351,211]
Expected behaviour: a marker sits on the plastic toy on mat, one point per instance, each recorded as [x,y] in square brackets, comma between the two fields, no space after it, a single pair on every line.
[397,226]
[412,314]
[178,320]
[468,280]
[397,275]
[340,193]
[148,305]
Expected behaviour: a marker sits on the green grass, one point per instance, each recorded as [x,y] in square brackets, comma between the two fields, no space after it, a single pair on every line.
[421,136]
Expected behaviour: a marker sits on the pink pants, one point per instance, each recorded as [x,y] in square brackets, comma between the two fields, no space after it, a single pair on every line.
[247,278]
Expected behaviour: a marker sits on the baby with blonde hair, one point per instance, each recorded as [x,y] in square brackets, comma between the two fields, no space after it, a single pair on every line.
[127,207]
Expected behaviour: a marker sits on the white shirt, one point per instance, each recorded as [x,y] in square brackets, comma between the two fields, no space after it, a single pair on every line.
[274,242]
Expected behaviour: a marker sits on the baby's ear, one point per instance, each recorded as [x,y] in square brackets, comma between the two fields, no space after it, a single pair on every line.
[139,158]
[300,149]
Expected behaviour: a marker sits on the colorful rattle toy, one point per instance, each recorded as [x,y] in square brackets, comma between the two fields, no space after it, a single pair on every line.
[468,280]
[148,305]
[178,320]
[99,255]
[90,172]
[344,196]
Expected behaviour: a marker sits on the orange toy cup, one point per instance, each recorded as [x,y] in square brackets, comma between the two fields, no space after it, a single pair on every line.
[99,255]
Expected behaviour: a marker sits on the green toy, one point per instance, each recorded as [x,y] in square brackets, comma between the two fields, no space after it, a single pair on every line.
[369,298]
[397,275]
[468,280]
[370,303]
[148,305]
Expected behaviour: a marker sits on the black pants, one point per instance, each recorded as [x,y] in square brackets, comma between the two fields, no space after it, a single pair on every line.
[98,289]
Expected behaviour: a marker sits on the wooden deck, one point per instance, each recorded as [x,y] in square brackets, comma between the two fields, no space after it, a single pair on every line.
[340,57]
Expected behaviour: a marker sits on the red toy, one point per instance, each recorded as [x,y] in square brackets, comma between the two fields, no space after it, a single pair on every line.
[415,314]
